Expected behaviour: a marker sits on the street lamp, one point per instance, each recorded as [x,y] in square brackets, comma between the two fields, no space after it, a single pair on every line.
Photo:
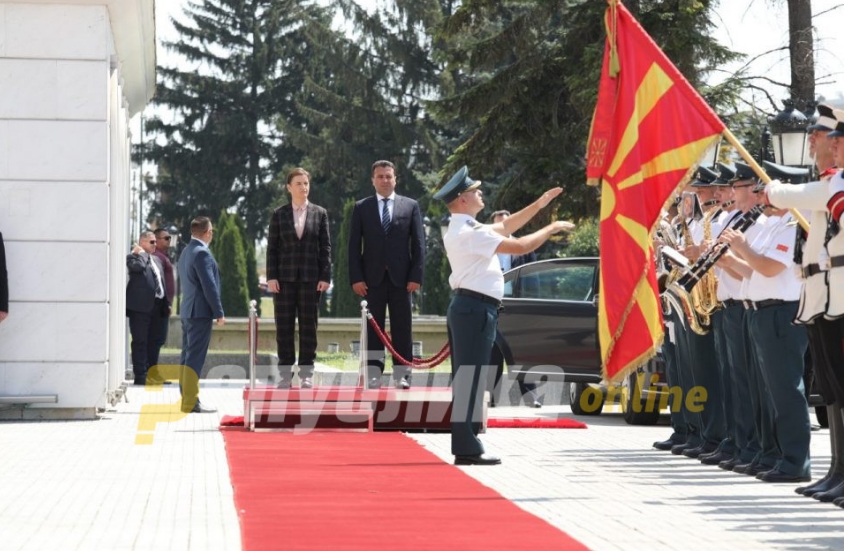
[788,136]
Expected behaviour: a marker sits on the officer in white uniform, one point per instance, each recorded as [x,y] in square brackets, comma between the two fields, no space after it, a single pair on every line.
[478,288]
[742,377]
[778,347]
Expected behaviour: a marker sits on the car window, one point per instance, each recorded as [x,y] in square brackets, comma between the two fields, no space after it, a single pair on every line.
[558,283]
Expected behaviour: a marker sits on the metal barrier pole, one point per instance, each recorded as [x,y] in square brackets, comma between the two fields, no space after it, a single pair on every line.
[253,341]
[363,351]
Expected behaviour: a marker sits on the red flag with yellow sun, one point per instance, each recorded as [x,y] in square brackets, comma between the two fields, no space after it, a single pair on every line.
[649,131]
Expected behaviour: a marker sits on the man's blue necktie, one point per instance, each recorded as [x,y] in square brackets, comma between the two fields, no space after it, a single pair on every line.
[385,217]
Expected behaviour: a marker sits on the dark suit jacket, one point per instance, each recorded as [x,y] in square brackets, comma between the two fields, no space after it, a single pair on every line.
[200,279]
[402,251]
[141,287]
[292,259]
[4,278]
[169,280]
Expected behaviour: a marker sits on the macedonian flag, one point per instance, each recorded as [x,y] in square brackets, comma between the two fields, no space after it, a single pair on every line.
[649,131]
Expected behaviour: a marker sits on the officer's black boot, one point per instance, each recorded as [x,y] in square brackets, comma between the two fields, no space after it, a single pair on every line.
[835,484]
[835,475]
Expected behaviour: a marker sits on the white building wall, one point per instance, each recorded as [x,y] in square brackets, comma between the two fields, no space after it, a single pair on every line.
[64,178]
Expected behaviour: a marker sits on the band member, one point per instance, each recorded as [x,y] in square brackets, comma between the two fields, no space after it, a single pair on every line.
[742,377]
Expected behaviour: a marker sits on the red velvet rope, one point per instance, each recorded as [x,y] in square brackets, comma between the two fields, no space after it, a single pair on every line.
[429,363]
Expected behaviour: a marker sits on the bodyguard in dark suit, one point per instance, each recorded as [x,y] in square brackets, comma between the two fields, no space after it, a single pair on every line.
[146,302]
[386,260]
[4,282]
[200,305]
[298,270]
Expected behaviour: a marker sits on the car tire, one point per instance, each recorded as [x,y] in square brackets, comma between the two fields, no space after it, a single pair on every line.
[577,402]
[823,418]
[643,416]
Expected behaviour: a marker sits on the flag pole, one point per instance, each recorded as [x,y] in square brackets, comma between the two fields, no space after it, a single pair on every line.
[761,173]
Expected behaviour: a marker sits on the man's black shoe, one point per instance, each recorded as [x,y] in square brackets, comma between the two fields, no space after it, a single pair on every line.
[482,459]
[757,469]
[401,384]
[830,495]
[729,465]
[741,468]
[715,459]
[822,485]
[776,475]
[374,383]
[666,445]
[694,453]
[680,448]
[199,407]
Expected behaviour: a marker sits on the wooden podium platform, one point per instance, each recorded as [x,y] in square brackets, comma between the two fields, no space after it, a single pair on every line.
[348,408]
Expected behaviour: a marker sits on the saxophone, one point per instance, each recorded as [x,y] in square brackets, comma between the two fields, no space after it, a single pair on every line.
[707,287]
[692,302]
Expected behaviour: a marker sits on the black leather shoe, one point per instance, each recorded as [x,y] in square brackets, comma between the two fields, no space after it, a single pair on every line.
[777,475]
[374,383]
[742,467]
[199,407]
[729,465]
[758,469]
[401,384]
[715,459]
[825,484]
[666,445]
[830,495]
[680,448]
[839,501]
[139,382]
[694,453]
[482,459]
[537,404]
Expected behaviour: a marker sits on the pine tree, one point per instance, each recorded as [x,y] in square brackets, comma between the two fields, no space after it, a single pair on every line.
[344,302]
[251,264]
[227,247]
[526,88]
[218,147]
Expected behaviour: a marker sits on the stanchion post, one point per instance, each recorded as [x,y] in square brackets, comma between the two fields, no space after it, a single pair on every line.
[253,340]
[363,355]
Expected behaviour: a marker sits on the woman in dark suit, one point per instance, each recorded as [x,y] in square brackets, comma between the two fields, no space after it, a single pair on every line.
[298,270]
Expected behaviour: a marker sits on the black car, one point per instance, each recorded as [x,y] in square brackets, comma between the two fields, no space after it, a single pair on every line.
[548,331]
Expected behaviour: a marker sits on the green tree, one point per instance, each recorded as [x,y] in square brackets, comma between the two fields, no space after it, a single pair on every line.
[227,247]
[530,71]
[251,263]
[364,99]
[217,146]
[584,240]
[344,302]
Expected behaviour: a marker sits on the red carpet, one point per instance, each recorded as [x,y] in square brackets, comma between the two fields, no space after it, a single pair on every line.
[533,423]
[369,491]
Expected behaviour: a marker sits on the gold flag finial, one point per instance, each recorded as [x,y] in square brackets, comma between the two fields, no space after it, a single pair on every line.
[612,24]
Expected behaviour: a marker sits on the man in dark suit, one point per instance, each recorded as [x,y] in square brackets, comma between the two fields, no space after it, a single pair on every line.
[386,260]
[200,305]
[4,282]
[526,389]
[146,302]
[298,270]
[162,246]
